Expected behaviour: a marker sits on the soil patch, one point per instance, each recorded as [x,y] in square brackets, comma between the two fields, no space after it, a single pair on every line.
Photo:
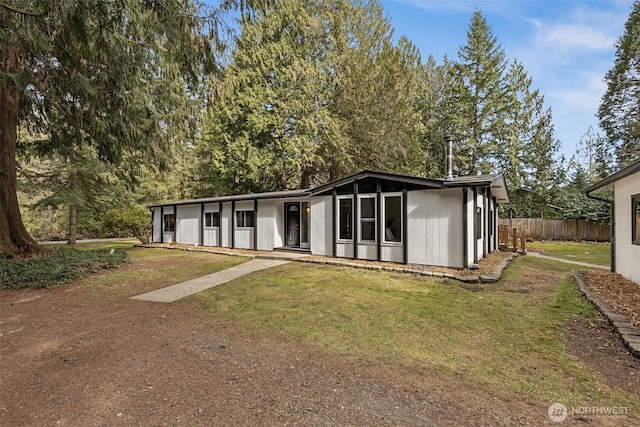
[71,360]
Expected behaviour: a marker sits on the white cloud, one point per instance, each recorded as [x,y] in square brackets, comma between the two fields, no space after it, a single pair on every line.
[564,36]
[585,92]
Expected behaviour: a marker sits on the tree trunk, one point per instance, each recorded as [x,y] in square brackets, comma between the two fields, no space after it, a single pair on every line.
[14,239]
[73,215]
[73,207]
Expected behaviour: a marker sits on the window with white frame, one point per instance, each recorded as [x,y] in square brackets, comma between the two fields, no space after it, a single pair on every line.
[212,219]
[244,218]
[635,219]
[392,218]
[368,218]
[345,218]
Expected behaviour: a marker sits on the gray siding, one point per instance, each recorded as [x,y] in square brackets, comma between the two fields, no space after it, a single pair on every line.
[211,234]
[321,226]
[266,224]
[435,227]
[188,224]
[627,254]
[225,223]
[157,225]
[244,235]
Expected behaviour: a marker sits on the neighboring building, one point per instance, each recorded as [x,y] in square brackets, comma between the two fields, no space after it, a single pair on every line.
[625,219]
[369,215]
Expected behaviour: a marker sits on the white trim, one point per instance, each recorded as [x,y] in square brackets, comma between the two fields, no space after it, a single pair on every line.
[337,219]
[367,219]
[386,242]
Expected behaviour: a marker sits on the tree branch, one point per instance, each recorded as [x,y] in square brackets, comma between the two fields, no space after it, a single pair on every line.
[23,12]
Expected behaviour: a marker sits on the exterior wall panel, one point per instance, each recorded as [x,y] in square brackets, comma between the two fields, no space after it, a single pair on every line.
[225,224]
[157,225]
[369,251]
[244,235]
[211,234]
[479,242]
[278,229]
[321,226]
[627,254]
[266,224]
[392,253]
[188,224]
[434,233]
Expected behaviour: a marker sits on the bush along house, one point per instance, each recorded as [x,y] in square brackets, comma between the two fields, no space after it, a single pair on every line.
[448,222]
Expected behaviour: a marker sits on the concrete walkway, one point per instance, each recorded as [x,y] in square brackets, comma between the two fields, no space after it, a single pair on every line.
[190,287]
[568,261]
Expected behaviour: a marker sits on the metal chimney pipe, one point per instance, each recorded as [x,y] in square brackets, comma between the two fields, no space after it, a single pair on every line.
[449,139]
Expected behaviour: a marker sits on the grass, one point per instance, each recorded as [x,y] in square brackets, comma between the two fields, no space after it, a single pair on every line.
[593,253]
[504,340]
[152,269]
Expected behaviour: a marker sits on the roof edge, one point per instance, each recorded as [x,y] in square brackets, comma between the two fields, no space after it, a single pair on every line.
[623,173]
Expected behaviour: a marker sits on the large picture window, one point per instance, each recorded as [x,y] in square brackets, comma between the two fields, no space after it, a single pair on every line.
[244,218]
[169,222]
[635,219]
[212,219]
[345,214]
[393,219]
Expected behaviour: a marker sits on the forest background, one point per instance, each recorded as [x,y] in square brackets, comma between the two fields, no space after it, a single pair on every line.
[127,103]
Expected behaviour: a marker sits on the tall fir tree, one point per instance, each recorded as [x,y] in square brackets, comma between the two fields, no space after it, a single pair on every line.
[500,122]
[480,98]
[619,110]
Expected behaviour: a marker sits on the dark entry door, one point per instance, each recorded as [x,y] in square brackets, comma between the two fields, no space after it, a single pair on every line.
[292,216]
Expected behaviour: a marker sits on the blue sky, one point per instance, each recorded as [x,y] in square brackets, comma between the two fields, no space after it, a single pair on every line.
[566,46]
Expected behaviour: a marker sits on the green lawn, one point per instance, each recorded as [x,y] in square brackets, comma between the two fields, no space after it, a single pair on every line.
[593,253]
[152,269]
[504,341]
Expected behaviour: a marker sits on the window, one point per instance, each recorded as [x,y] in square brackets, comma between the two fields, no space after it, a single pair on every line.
[635,219]
[244,218]
[212,219]
[478,223]
[169,222]
[368,219]
[392,218]
[345,219]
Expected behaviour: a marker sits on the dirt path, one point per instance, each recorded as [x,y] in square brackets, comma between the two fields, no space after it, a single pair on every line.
[71,361]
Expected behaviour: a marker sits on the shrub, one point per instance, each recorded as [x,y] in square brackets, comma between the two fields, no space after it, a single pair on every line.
[57,267]
[126,222]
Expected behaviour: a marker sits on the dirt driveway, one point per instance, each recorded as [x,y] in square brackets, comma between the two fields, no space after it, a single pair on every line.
[67,360]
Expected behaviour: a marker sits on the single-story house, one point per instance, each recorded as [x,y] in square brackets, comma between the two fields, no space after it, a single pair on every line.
[376,216]
[625,219]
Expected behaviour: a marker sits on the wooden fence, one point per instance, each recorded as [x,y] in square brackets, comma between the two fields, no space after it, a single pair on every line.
[560,229]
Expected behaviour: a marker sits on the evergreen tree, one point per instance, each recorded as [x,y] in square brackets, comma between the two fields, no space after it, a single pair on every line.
[314,90]
[619,111]
[501,124]
[90,74]
[480,98]
[436,110]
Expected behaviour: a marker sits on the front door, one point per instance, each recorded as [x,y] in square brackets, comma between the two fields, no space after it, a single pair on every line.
[292,217]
